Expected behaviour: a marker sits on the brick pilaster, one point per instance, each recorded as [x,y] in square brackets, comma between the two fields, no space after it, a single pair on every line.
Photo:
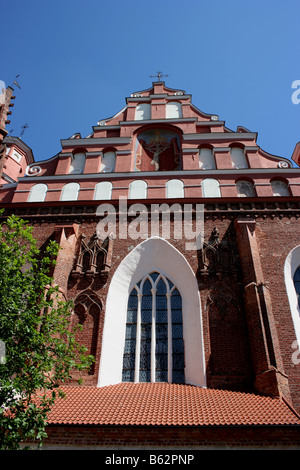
[270,377]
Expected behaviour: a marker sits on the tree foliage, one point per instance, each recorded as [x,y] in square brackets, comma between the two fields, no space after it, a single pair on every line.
[39,349]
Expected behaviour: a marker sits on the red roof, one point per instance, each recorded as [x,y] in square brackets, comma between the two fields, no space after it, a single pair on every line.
[163,404]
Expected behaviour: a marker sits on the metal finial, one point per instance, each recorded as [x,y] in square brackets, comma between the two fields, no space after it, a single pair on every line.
[158,75]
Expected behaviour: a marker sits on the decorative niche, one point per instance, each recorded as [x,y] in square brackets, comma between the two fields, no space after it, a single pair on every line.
[219,257]
[94,258]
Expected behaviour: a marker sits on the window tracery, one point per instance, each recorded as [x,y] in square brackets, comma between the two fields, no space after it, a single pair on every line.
[154,350]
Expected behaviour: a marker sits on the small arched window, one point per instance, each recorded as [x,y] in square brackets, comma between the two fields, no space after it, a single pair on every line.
[206,159]
[238,157]
[138,189]
[77,164]
[280,188]
[154,349]
[143,112]
[174,189]
[70,192]
[108,162]
[38,193]
[211,188]
[245,188]
[103,190]
[173,110]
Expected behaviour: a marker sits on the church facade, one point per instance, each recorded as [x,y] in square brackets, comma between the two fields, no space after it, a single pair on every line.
[181,253]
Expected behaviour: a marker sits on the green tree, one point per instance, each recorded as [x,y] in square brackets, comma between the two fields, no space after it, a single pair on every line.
[39,349]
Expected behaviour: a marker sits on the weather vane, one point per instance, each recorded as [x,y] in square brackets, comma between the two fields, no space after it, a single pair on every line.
[15,82]
[158,75]
[25,126]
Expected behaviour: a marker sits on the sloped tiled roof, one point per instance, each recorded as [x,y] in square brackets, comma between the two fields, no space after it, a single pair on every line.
[163,404]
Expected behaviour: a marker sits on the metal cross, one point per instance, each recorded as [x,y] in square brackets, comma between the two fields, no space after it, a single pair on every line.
[158,76]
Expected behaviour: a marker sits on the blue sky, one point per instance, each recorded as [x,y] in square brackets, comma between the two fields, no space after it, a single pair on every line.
[78,60]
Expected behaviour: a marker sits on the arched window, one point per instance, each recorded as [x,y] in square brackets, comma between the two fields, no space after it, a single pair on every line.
[211,188]
[103,190]
[108,162]
[77,164]
[238,157]
[154,255]
[173,110]
[154,349]
[70,192]
[138,189]
[206,159]
[143,112]
[175,189]
[280,188]
[38,193]
[245,188]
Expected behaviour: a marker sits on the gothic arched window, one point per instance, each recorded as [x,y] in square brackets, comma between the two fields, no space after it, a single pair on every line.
[154,350]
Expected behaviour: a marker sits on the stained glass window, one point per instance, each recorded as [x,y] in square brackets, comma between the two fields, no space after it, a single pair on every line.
[154,348]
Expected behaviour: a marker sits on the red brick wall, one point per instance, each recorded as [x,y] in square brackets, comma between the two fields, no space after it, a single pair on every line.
[228,354]
[118,436]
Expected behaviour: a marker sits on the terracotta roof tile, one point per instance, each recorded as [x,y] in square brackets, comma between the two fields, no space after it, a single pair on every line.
[167,404]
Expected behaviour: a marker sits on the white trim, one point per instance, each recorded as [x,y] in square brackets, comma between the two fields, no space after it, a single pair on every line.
[154,254]
[291,264]
[179,173]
